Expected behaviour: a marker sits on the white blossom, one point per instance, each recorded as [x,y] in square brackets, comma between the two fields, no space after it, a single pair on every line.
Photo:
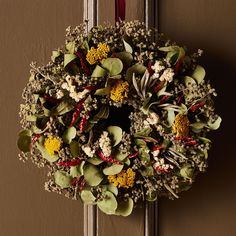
[161,167]
[167,75]
[59,94]
[88,150]
[105,144]
[157,67]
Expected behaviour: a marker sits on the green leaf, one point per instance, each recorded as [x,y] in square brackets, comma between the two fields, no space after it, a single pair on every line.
[127,46]
[199,74]
[112,189]
[113,169]
[63,108]
[85,46]
[92,175]
[69,134]
[125,57]
[68,58]
[137,69]
[98,72]
[76,171]
[143,133]
[189,81]
[169,49]
[24,142]
[204,140]
[109,204]
[87,197]
[215,125]
[147,171]
[71,47]
[186,171]
[144,154]
[103,91]
[171,117]
[55,55]
[198,125]
[118,155]
[25,132]
[113,65]
[95,161]
[141,143]
[74,148]
[116,133]
[62,179]
[125,207]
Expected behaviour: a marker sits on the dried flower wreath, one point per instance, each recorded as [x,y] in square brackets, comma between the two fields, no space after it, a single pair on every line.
[118,115]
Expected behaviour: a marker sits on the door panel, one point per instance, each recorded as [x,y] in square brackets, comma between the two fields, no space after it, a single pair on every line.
[208,209]
[30,30]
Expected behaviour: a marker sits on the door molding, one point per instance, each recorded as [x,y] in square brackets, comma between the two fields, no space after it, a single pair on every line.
[91,15]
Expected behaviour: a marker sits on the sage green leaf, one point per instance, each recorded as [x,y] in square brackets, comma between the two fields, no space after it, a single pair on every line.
[184,186]
[102,114]
[103,91]
[169,49]
[118,155]
[137,69]
[151,197]
[24,142]
[199,74]
[113,189]
[171,117]
[68,58]
[74,148]
[125,207]
[85,46]
[92,175]
[109,204]
[204,140]
[113,169]
[113,65]
[143,133]
[87,197]
[98,72]
[76,171]
[116,133]
[198,125]
[189,81]
[55,55]
[63,108]
[215,125]
[25,132]
[69,134]
[186,171]
[147,171]
[127,46]
[125,57]
[62,179]
[141,143]
[95,161]
[127,161]
[44,152]
[71,47]
[144,154]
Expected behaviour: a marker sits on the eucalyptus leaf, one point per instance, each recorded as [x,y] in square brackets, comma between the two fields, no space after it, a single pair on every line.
[87,197]
[171,117]
[69,134]
[118,155]
[215,125]
[113,189]
[63,108]
[143,133]
[92,175]
[137,69]
[116,133]
[71,47]
[198,125]
[98,72]
[109,204]
[113,169]
[55,55]
[113,65]
[125,57]
[24,142]
[77,170]
[103,91]
[62,179]
[189,81]
[147,171]
[68,58]
[186,171]
[95,161]
[169,49]
[25,132]
[199,74]
[125,207]
[74,148]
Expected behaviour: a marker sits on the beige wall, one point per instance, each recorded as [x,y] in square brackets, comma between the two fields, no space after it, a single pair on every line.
[30,30]
[209,208]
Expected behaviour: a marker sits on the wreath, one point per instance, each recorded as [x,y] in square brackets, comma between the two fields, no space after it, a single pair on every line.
[119,115]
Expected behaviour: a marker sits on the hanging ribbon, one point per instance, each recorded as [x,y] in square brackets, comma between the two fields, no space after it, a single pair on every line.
[119,10]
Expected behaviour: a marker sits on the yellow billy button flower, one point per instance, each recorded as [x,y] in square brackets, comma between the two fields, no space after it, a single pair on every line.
[181,126]
[125,179]
[97,54]
[119,91]
[52,145]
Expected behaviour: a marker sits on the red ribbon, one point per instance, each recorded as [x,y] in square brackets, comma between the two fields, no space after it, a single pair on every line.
[119,10]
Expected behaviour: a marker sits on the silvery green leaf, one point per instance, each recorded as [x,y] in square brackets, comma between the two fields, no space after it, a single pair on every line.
[74,148]
[103,91]
[169,49]
[143,133]
[69,135]
[128,48]
[147,171]
[199,74]
[113,169]
[77,170]
[118,155]
[137,69]
[24,142]
[98,72]
[63,108]
[171,117]
[71,47]
[68,58]
[125,207]
[116,134]
[197,126]
[215,125]
[92,175]
[95,161]
[113,65]
[204,140]
[186,171]
[87,197]
[62,179]
[111,188]
[125,57]
[109,204]
[136,85]
[55,55]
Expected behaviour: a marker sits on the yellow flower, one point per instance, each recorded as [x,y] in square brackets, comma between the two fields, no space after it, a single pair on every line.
[52,144]
[124,179]
[119,91]
[181,126]
[97,54]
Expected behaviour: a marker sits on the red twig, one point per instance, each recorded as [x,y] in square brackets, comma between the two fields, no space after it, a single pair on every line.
[150,70]
[78,109]
[191,143]
[35,138]
[74,162]
[133,155]
[154,148]
[83,62]
[164,99]
[194,107]
[107,159]
[178,66]
[82,123]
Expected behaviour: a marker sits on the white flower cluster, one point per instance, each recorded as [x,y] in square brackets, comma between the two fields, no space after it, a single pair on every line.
[88,150]
[105,144]
[167,75]
[69,86]
[152,119]
[160,165]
